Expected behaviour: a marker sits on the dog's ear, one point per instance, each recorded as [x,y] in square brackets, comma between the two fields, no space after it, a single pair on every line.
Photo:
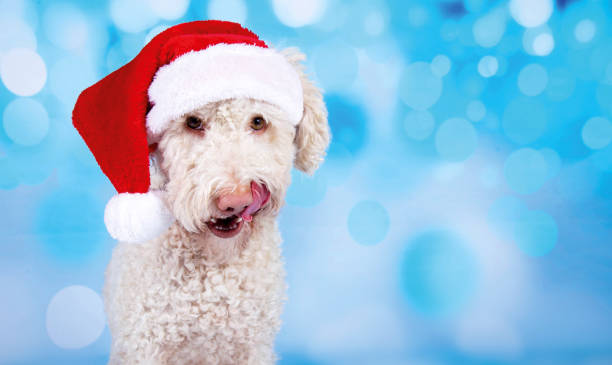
[312,135]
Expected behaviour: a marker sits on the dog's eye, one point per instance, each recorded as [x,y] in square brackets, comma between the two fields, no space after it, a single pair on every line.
[258,123]
[194,122]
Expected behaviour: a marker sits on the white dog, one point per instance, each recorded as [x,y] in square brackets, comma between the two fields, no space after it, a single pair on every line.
[210,290]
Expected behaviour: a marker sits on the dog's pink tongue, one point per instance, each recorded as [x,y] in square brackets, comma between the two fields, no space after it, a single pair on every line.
[260,197]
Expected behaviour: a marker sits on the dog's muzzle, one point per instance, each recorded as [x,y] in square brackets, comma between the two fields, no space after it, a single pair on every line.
[237,207]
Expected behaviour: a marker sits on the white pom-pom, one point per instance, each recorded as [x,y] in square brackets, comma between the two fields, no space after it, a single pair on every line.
[137,218]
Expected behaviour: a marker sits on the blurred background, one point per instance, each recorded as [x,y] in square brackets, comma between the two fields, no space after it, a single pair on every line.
[463,216]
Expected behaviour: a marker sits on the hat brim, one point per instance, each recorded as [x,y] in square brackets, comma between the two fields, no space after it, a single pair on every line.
[221,72]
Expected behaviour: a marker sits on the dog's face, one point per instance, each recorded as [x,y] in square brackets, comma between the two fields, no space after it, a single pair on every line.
[223,159]
[227,164]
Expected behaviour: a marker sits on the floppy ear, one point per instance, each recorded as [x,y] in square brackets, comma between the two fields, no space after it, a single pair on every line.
[312,135]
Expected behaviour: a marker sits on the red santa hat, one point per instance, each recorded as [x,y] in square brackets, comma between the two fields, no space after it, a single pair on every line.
[180,70]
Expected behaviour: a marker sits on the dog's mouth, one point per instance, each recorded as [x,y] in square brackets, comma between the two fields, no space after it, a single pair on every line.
[227,227]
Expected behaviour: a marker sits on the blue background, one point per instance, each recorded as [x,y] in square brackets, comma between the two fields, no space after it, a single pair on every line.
[463,216]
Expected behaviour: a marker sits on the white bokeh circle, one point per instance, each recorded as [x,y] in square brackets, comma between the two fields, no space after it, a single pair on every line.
[169,9]
[543,44]
[132,16]
[585,30]
[531,13]
[488,66]
[25,121]
[597,133]
[489,29]
[440,65]
[299,13]
[75,317]
[476,110]
[532,79]
[23,71]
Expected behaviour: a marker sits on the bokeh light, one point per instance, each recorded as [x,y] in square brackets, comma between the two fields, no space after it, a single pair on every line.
[538,41]
[368,222]
[231,10]
[15,34]
[23,72]
[419,87]
[439,273]
[25,121]
[489,29]
[524,127]
[65,26]
[440,65]
[132,16]
[585,30]
[561,84]
[299,14]
[417,15]
[488,66]
[531,13]
[169,9]
[456,139]
[602,159]
[532,79]
[597,133]
[525,170]
[543,44]
[419,124]
[603,94]
[474,6]
[68,77]
[476,110]
[75,317]
[553,161]
[374,24]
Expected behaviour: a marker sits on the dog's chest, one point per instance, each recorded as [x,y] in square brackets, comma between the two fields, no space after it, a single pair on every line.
[217,296]
[233,307]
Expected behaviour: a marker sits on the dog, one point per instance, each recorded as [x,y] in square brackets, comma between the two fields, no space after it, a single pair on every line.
[210,289]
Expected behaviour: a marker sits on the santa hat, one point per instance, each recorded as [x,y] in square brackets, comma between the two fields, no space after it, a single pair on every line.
[180,70]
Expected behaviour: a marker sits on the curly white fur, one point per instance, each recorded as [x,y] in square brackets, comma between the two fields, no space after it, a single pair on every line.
[189,297]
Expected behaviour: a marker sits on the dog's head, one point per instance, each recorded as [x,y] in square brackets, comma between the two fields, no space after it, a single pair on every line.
[228,163]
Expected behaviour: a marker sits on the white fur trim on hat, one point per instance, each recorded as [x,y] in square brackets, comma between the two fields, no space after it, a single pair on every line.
[220,72]
[137,218]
